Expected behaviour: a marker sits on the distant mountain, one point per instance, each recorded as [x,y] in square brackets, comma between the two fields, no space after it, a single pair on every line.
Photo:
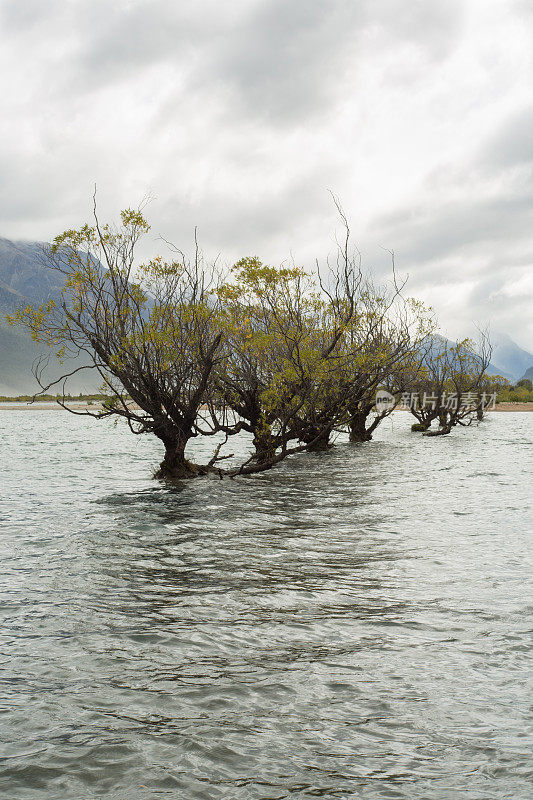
[528,374]
[439,343]
[25,279]
[509,357]
[23,275]
[492,370]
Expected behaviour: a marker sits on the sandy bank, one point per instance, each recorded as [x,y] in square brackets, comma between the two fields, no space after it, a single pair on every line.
[51,406]
[514,407]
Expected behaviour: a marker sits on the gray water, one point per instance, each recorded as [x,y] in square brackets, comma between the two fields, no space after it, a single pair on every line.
[354,624]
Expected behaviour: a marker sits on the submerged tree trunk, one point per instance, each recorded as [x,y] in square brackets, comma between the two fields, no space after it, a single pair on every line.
[316,437]
[174,465]
[420,426]
[425,418]
[446,423]
[265,445]
[318,441]
[357,426]
[440,431]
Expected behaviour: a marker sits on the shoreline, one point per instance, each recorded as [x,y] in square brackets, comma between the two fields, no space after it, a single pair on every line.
[50,405]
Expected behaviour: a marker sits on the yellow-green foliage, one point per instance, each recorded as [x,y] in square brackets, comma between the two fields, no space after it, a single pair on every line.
[515,394]
[173,334]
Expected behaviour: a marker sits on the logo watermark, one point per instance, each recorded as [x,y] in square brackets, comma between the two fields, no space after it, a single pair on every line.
[450,401]
[385,401]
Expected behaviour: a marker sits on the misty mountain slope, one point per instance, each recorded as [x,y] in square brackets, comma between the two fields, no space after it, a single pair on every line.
[18,353]
[509,356]
[24,279]
[23,276]
[438,343]
[9,298]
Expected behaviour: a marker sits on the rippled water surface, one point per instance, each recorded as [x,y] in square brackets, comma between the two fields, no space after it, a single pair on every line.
[352,624]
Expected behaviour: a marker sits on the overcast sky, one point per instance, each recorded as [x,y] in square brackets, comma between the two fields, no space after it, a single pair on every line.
[238,117]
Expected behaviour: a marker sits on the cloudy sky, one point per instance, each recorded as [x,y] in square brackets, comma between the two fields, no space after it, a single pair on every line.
[239,117]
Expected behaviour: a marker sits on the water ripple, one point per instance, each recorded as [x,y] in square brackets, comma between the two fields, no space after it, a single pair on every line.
[353,624]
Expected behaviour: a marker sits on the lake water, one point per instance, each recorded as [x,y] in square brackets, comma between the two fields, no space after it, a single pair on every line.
[353,624]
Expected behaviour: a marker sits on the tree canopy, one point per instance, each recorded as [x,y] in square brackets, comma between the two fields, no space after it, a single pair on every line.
[285,354]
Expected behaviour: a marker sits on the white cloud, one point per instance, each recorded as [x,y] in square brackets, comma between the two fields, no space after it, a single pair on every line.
[239,117]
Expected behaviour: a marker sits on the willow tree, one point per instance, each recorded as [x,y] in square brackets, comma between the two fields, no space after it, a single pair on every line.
[180,355]
[452,384]
[383,350]
[277,352]
[280,340]
[371,340]
[305,349]
[150,332]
